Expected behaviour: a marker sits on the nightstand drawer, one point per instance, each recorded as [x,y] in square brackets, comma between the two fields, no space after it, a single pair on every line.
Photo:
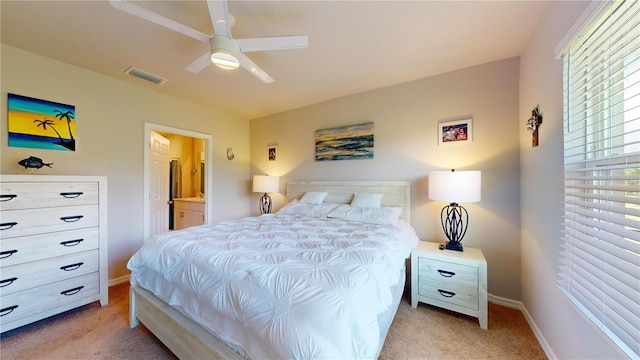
[446,272]
[449,292]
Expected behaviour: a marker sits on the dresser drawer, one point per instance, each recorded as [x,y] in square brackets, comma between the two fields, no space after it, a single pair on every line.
[37,273]
[30,302]
[22,249]
[15,196]
[436,270]
[36,221]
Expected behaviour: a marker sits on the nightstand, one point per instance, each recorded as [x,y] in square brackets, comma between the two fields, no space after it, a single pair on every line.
[449,279]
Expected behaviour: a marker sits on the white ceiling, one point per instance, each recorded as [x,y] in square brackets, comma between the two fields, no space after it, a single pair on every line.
[354,46]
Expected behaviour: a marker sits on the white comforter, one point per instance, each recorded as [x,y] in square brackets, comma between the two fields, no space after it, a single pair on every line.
[280,286]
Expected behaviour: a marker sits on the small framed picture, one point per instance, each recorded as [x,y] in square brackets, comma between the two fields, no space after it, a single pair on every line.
[455,132]
[272,152]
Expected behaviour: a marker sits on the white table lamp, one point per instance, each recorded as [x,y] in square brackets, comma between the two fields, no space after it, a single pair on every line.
[265,184]
[454,187]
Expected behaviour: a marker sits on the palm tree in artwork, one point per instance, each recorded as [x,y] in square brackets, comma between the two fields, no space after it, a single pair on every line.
[46,122]
[68,115]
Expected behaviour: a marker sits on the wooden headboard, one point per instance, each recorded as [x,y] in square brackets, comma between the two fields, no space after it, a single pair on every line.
[395,193]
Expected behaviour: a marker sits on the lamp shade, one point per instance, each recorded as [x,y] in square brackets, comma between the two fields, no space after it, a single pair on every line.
[455,186]
[266,183]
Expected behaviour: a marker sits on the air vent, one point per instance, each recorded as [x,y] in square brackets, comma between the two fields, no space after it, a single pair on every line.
[145,75]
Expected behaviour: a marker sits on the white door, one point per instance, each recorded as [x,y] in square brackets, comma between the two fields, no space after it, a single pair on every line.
[159,183]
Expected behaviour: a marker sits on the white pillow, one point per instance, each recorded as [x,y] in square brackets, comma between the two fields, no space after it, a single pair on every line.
[313,197]
[380,216]
[367,200]
[295,207]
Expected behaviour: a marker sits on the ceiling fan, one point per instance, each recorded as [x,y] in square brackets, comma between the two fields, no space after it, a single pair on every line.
[225,51]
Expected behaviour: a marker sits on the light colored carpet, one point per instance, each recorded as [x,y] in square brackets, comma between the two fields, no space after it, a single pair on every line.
[94,332]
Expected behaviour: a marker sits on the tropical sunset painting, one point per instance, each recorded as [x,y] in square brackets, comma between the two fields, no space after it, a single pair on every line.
[345,142]
[40,124]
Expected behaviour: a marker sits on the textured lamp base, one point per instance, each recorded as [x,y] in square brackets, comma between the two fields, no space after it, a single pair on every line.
[455,220]
[454,246]
[265,204]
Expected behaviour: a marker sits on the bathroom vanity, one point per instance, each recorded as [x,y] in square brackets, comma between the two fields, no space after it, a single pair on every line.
[188,212]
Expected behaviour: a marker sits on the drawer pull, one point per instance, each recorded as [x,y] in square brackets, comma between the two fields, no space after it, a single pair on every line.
[72,291]
[71,195]
[6,254]
[70,243]
[71,267]
[7,197]
[446,293]
[446,273]
[8,225]
[7,282]
[8,310]
[73,218]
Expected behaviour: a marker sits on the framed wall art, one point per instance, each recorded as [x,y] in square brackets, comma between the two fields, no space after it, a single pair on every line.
[272,152]
[345,142]
[40,124]
[455,132]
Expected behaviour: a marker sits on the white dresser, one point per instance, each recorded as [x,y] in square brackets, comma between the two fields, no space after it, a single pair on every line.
[450,279]
[53,245]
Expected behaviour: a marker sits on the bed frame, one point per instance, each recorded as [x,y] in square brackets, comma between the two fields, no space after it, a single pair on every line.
[188,340]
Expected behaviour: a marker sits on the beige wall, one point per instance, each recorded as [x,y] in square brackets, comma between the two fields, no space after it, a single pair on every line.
[567,332]
[110,117]
[406,148]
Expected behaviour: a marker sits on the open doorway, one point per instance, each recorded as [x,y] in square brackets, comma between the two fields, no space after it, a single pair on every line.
[151,181]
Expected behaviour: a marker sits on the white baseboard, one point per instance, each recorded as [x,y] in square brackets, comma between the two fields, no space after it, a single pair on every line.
[119,280]
[498,300]
[514,304]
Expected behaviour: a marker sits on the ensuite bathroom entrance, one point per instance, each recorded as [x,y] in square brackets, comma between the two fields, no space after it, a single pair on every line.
[175,179]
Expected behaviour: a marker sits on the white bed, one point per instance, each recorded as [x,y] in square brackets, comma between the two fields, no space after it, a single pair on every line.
[307,293]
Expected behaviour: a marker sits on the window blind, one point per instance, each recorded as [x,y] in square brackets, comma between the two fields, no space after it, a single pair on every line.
[600,248]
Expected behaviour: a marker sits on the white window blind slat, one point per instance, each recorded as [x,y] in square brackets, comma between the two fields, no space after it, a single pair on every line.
[621,293]
[600,250]
[626,250]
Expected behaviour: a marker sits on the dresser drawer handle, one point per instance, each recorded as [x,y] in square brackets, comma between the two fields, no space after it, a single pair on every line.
[446,293]
[8,310]
[73,218]
[8,225]
[6,254]
[7,197]
[71,267]
[7,282]
[70,243]
[72,291]
[71,195]
[446,273]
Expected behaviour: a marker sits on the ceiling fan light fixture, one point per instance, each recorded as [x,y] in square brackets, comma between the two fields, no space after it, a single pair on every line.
[225,61]
[224,52]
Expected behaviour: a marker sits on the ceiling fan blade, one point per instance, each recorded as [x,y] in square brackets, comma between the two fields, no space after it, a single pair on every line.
[143,13]
[273,43]
[251,67]
[219,13]
[200,63]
